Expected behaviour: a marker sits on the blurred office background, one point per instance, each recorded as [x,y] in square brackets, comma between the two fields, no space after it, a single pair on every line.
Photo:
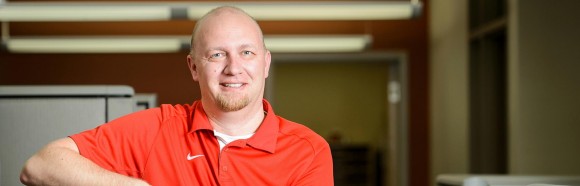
[488,86]
[503,86]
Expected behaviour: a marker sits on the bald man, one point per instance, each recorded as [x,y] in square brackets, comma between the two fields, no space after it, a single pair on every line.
[229,137]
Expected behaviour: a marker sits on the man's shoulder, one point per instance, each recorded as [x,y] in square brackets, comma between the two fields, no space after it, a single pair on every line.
[300,131]
[177,110]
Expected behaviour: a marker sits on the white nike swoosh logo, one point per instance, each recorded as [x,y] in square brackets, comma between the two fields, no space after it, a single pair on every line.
[190,157]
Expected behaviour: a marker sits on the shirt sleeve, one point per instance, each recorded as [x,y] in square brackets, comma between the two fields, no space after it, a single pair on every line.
[122,145]
[320,171]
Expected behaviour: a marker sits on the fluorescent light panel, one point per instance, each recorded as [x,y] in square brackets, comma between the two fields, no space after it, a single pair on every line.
[83,13]
[143,11]
[362,10]
[93,45]
[156,44]
[310,44]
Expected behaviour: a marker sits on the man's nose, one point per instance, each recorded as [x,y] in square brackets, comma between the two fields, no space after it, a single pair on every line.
[234,65]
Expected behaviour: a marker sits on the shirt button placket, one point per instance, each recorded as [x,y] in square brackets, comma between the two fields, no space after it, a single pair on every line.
[224,164]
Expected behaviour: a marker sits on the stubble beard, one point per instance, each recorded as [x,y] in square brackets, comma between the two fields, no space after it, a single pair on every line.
[229,103]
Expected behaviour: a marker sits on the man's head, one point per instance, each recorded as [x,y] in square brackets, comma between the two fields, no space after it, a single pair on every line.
[229,59]
[219,10]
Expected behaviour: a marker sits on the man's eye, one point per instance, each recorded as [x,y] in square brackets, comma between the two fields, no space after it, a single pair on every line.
[217,55]
[247,52]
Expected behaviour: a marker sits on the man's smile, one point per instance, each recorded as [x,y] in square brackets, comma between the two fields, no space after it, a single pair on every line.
[232,85]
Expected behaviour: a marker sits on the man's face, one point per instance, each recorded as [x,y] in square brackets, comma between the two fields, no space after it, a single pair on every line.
[230,62]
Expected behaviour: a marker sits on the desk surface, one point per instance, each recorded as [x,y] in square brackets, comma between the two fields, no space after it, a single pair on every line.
[497,180]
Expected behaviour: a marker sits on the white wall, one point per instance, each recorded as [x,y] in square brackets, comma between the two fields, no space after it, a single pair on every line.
[545,108]
[449,87]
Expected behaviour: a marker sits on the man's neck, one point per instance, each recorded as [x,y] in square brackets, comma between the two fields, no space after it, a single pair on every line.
[235,123]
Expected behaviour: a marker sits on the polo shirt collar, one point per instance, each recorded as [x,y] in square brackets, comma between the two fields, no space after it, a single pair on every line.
[267,134]
[264,138]
[199,121]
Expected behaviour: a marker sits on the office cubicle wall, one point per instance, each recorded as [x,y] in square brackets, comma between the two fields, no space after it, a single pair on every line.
[32,116]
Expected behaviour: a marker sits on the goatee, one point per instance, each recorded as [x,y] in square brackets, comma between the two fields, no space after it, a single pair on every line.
[232,103]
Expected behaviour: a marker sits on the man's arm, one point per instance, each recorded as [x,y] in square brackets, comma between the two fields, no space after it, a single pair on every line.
[320,171]
[59,163]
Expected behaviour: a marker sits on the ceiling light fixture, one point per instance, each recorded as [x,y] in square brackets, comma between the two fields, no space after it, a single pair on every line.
[148,11]
[167,44]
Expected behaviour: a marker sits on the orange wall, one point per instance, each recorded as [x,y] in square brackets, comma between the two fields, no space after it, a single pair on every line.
[167,74]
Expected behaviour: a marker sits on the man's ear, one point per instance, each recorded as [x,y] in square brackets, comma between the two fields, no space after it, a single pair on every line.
[192,67]
[268,59]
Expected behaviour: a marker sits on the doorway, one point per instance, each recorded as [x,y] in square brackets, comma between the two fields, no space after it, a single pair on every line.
[355,101]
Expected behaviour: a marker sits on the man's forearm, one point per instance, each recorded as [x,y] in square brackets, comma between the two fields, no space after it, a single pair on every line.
[56,164]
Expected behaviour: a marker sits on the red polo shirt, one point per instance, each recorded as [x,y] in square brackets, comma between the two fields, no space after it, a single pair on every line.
[175,145]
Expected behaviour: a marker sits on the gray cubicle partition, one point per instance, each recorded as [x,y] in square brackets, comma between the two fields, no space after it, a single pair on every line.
[32,116]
